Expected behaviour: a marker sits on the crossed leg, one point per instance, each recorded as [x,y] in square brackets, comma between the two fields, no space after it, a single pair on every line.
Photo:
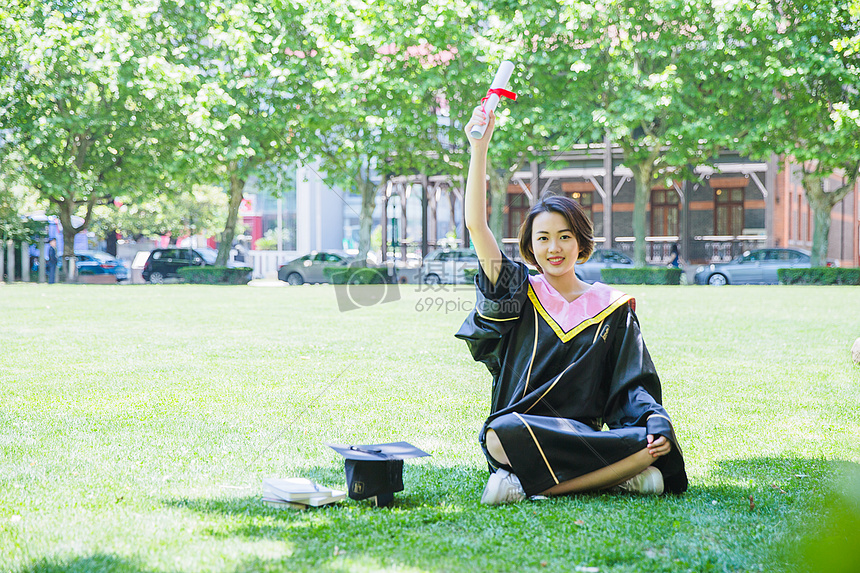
[602,478]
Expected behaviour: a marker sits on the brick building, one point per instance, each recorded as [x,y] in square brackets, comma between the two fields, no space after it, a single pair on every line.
[732,205]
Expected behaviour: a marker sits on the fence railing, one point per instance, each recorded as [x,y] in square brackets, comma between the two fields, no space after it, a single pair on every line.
[722,249]
[266,263]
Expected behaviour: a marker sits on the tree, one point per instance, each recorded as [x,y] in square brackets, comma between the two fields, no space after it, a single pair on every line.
[636,67]
[812,109]
[89,102]
[371,116]
[200,211]
[254,69]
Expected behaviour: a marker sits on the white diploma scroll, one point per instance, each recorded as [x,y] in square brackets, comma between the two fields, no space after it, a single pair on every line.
[506,68]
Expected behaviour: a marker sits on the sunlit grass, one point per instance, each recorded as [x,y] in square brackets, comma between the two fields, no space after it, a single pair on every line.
[137,423]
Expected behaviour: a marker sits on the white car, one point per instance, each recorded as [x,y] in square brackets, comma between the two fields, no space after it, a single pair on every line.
[448,266]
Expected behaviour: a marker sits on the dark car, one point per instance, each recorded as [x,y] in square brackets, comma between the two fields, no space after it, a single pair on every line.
[165,263]
[602,259]
[756,267]
[311,267]
[90,263]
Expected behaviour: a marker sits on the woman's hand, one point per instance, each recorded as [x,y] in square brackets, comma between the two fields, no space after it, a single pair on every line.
[479,117]
[658,447]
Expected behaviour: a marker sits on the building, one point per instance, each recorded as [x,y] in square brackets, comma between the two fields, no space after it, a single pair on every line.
[727,207]
[733,204]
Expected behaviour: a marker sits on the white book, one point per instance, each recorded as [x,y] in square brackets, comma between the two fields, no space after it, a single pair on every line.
[281,504]
[301,490]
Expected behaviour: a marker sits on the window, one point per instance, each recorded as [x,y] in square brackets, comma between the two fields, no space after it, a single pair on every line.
[729,211]
[754,256]
[518,208]
[664,213]
[586,200]
[783,255]
[613,257]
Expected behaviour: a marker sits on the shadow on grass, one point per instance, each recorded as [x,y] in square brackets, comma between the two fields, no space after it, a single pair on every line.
[438,524]
[89,564]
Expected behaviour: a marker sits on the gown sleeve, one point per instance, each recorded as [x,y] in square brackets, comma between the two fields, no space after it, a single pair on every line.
[635,395]
[497,310]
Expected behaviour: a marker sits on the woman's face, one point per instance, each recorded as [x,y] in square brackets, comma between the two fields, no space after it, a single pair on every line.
[554,244]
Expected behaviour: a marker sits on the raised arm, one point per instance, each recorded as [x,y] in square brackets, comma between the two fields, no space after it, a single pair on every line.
[475,202]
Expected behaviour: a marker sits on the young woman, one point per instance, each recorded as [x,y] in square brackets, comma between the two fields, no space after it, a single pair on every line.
[566,358]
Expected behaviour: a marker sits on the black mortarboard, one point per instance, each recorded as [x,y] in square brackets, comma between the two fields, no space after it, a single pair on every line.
[376,470]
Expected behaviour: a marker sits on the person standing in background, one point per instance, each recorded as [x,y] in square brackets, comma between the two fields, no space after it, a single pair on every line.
[51,261]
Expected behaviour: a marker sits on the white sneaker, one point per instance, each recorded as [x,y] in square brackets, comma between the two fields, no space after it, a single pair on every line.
[649,482]
[503,487]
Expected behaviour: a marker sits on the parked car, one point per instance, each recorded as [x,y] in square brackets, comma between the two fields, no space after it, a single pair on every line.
[165,263]
[448,266]
[100,263]
[602,259]
[752,267]
[311,267]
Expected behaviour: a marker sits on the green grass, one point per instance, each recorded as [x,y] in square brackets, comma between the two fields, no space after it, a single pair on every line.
[137,423]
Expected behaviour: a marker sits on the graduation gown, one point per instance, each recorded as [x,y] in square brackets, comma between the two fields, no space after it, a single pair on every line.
[561,371]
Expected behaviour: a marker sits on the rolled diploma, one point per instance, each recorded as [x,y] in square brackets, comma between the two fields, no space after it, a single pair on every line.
[506,68]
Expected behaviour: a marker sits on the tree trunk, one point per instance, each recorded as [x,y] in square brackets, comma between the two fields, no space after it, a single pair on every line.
[237,186]
[500,179]
[66,208]
[822,202]
[642,175]
[368,202]
[820,234]
[452,213]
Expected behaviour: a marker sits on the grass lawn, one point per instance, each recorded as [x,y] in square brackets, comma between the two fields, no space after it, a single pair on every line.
[137,423]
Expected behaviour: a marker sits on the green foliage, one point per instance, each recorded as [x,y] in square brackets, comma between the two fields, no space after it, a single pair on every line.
[211,275]
[833,547]
[254,65]
[635,71]
[642,276]
[805,104]
[90,101]
[819,276]
[268,242]
[201,210]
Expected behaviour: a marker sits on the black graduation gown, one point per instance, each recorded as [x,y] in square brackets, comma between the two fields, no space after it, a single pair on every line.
[553,391]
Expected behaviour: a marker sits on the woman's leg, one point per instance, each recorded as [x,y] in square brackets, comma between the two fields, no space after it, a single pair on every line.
[495,449]
[603,478]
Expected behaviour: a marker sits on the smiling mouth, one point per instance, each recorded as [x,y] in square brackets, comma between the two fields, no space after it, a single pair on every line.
[555,260]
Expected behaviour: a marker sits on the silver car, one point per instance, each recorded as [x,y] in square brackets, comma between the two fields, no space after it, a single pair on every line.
[311,267]
[448,266]
[757,267]
[589,271]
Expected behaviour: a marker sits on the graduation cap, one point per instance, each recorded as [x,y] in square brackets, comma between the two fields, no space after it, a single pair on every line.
[376,470]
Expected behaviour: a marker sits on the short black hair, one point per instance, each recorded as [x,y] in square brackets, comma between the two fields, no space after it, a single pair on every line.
[575,215]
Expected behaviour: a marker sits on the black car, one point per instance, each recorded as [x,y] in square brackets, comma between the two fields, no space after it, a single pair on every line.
[165,263]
